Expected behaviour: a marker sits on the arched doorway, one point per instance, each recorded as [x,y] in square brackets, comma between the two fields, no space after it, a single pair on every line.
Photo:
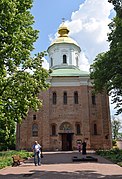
[66,136]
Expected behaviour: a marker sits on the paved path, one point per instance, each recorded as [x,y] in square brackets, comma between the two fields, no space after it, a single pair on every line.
[60,166]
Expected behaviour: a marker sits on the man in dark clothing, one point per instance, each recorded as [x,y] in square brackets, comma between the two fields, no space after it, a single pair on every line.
[84,148]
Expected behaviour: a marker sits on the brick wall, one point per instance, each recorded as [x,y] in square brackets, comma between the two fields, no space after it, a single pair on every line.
[84,113]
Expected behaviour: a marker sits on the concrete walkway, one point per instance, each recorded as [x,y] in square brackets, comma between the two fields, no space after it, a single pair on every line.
[59,165]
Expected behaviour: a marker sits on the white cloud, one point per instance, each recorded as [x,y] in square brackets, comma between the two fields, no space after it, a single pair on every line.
[45,64]
[89,27]
[92,21]
[84,64]
[52,37]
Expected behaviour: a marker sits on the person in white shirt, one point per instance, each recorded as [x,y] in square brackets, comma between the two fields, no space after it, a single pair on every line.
[37,149]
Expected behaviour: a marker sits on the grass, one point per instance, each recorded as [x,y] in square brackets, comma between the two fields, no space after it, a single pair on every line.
[6,157]
[114,155]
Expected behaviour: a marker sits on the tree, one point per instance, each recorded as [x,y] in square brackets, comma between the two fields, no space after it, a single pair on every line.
[21,76]
[116,126]
[107,69]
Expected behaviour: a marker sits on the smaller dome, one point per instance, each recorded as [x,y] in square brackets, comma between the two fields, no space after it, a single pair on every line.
[63,30]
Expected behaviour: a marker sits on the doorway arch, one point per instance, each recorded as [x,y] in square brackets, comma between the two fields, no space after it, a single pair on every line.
[66,136]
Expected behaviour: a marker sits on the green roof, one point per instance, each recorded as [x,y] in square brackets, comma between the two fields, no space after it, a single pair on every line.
[68,71]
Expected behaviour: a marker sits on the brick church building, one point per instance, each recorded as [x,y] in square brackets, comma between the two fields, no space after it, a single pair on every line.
[71,112]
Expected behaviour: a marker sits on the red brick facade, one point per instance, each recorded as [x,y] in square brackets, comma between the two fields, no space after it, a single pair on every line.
[60,126]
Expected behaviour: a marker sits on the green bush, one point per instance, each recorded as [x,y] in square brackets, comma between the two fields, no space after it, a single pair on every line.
[115,155]
[6,156]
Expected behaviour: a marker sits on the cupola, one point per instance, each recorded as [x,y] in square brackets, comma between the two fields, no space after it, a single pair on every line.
[63,30]
[63,50]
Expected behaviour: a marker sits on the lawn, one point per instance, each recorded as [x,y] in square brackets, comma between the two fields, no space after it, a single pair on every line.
[114,155]
[6,157]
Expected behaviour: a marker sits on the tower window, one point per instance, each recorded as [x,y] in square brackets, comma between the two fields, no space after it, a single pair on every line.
[77,61]
[54,97]
[95,129]
[76,97]
[64,59]
[78,129]
[93,99]
[65,97]
[35,130]
[51,61]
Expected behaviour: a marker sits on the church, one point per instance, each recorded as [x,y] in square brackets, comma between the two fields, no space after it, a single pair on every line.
[71,112]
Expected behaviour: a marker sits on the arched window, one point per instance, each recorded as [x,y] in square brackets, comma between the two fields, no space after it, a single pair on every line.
[35,130]
[77,61]
[54,98]
[53,129]
[76,97]
[64,59]
[93,99]
[78,129]
[51,61]
[65,97]
[66,126]
[95,129]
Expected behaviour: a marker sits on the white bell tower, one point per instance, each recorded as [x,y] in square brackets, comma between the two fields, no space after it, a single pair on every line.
[63,51]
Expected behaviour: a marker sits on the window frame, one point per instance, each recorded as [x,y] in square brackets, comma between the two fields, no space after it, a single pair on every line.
[65,98]
[77,61]
[75,97]
[54,98]
[78,129]
[34,117]
[64,59]
[53,129]
[95,129]
[35,132]
[51,61]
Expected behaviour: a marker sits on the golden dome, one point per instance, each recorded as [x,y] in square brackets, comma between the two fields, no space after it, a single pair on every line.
[63,36]
[63,30]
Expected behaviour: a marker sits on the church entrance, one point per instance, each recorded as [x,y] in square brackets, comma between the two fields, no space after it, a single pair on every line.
[66,136]
[66,141]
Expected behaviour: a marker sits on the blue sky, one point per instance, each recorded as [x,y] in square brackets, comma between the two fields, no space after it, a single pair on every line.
[87,20]
[48,16]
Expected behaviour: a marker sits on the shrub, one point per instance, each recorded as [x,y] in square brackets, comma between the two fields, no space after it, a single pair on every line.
[6,156]
[115,155]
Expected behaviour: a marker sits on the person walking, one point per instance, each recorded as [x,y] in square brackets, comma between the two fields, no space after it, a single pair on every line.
[37,149]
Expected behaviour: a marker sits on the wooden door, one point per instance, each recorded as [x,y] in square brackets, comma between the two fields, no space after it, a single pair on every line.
[66,141]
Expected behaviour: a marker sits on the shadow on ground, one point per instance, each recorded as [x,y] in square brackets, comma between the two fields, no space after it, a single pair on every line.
[60,158]
[36,174]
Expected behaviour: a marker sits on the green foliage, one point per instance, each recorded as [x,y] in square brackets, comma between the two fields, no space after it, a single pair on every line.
[115,155]
[21,77]
[114,142]
[106,71]
[116,126]
[6,157]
